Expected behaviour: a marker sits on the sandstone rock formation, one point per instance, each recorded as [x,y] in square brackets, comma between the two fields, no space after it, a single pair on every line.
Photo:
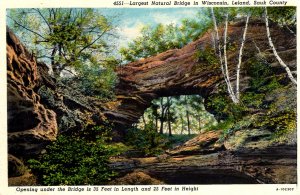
[174,72]
[30,124]
[136,178]
[39,107]
[74,111]
[192,163]
[182,72]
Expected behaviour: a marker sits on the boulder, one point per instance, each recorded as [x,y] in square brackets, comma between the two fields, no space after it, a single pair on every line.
[136,178]
[15,166]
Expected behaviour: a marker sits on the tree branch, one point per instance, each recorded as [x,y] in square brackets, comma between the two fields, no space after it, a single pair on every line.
[88,45]
[26,28]
[287,69]
[43,18]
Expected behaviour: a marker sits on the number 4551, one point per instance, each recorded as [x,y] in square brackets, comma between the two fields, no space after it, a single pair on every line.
[118,3]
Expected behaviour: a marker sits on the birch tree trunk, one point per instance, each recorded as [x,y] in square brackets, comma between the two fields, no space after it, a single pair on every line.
[213,42]
[169,115]
[240,60]
[224,71]
[229,86]
[287,69]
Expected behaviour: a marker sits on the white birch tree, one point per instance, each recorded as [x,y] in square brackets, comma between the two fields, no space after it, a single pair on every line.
[235,96]
[281,62]
[240,59]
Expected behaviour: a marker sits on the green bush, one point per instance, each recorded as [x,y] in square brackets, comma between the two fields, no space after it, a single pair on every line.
[208,55]
[281,124]
[252,99]
[263,79]
[146,140]
[74,160]
[223,107]
[98,80]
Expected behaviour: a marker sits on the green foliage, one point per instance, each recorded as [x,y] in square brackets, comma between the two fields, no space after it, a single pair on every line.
[146,140]
[262,82]
[262,77]
[150,142]
[73,41]
[281,124]
[285,16]
[177,139]
[68,38]
[157,39]
[227,124]
[98,81]
[152,41]
[224,108]
[208,56]
[76,160]
[252,99]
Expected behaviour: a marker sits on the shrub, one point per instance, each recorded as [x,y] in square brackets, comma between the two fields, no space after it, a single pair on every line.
[251,99]
[208,55]
[263,79]
[74,160]
[224,108]
[281,124]
[146,140]
[98,80]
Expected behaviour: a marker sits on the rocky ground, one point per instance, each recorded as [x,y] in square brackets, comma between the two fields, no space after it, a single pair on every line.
[203,160]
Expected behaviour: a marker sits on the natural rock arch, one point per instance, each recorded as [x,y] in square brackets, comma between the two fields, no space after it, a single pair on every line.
[46,108]
[182,72]
[54,109]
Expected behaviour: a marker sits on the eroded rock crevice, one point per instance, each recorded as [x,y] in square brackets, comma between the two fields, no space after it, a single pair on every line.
[30,124]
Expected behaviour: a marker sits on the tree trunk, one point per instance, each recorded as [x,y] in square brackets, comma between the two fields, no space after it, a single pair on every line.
[188,122]
[287,69]
[199,121]
[214,42]
[223,65]
[169,117]
[229,86]
[144,120]
[54,66]
[182,125]
[187,115]
[156,123]
[240,60]
[161,131]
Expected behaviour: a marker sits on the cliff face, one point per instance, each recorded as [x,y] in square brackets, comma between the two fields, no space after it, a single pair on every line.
[39,107]
[30,124]
[191,70]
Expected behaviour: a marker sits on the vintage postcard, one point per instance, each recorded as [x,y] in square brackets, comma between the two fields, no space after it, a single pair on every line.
[149,97]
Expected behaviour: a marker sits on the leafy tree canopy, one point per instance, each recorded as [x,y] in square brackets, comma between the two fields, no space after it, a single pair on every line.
[159,38]
[66,37]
